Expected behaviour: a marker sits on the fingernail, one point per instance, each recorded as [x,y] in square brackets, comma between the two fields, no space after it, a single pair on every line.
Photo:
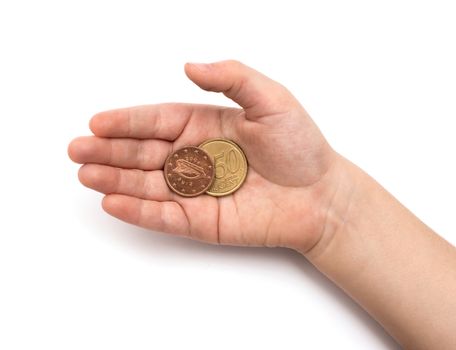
[201,66]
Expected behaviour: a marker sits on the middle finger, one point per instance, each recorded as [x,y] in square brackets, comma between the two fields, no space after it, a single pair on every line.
[122,153]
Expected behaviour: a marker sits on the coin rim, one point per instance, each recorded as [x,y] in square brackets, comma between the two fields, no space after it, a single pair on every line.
[216,194]
[165,172]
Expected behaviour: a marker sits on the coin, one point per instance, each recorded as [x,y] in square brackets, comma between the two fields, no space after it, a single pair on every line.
[189,171]
[230,166]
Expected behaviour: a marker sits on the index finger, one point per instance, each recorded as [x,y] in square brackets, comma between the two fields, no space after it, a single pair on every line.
[162,121]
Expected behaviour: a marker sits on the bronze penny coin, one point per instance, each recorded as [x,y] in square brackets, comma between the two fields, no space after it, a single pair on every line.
[189,171]
[230,166]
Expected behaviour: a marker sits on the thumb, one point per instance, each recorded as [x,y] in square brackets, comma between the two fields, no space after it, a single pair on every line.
[253,91]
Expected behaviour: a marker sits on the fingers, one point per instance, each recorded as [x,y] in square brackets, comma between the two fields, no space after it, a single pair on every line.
[162,121]
[123,153]
[154,121]
[131,182]
[143,198]
[253,91]
[166,217]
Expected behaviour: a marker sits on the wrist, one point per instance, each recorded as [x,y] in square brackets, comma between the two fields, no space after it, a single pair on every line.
[386,259]
[346,186]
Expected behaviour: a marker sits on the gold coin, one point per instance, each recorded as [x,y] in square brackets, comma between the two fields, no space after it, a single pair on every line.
[230,165]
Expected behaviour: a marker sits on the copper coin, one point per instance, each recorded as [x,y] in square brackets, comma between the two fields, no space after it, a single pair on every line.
[189,171]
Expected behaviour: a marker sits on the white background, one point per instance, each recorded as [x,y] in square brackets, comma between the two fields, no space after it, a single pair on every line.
[377,77]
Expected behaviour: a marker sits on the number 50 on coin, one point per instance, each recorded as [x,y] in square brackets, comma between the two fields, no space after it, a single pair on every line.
[230,165]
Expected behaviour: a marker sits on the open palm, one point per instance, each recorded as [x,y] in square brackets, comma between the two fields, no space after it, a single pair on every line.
[284,199]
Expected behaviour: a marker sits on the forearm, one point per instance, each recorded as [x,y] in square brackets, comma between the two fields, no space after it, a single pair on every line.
[391,263]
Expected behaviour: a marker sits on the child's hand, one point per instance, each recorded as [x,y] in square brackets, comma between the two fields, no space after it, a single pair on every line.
[298,193]
[285,197]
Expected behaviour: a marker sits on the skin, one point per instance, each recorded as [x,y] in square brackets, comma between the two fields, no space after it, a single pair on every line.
[299,193]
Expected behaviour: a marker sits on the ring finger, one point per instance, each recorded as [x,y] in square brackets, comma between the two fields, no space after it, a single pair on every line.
[149,185]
